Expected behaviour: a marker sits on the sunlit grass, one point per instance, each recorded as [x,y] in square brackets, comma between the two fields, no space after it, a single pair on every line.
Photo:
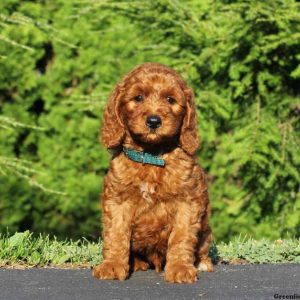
[248,250]
[24,250]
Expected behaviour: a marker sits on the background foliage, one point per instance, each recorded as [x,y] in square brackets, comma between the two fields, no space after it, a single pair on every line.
[59,60]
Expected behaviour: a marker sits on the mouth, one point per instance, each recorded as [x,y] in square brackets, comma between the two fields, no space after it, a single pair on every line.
[153,136]
[152,133]
[148,135]
[152,130]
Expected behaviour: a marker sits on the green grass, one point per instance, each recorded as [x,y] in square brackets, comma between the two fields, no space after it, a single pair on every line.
[248,250]
[24,250]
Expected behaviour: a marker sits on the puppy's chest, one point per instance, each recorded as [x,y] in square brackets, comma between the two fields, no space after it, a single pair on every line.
[149,191]
[152,185]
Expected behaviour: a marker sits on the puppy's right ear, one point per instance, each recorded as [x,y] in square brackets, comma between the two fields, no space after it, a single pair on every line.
[113,131]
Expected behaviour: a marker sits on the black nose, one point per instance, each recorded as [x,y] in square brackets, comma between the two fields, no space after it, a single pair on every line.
[153,121]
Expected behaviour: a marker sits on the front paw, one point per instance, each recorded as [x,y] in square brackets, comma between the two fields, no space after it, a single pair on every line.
[180,273]
[111,270]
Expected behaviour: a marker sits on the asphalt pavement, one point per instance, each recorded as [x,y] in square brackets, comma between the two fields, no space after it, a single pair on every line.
[227,282]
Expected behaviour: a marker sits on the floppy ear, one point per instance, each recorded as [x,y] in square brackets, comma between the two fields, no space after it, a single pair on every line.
[189,138]
[113,129]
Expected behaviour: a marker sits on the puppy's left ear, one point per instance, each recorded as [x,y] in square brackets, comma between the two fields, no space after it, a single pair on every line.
[189,137]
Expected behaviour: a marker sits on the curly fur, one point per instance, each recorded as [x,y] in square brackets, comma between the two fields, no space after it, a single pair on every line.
[152,216]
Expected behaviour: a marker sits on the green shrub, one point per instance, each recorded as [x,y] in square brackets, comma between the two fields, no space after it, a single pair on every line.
[57,67]
[241,58]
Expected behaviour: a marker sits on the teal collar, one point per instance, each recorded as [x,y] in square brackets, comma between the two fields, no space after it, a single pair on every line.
[144,157]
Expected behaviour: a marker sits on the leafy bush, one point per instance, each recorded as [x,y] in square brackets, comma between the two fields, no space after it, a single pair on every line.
[57,67]
[242,59]
[59,60]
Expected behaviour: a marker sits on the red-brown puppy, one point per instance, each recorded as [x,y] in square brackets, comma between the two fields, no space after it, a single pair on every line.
[155,204]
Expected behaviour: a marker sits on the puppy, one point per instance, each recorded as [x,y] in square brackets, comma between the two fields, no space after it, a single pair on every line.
[155,202]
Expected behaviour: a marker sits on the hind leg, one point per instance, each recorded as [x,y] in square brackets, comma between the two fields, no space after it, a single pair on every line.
[205,263]
[157,260]
[138,264]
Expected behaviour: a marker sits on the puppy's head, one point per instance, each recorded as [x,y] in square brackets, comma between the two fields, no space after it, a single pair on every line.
[154,105]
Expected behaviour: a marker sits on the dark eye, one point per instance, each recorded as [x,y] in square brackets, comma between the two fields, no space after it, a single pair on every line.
[138,98]
[171,100]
